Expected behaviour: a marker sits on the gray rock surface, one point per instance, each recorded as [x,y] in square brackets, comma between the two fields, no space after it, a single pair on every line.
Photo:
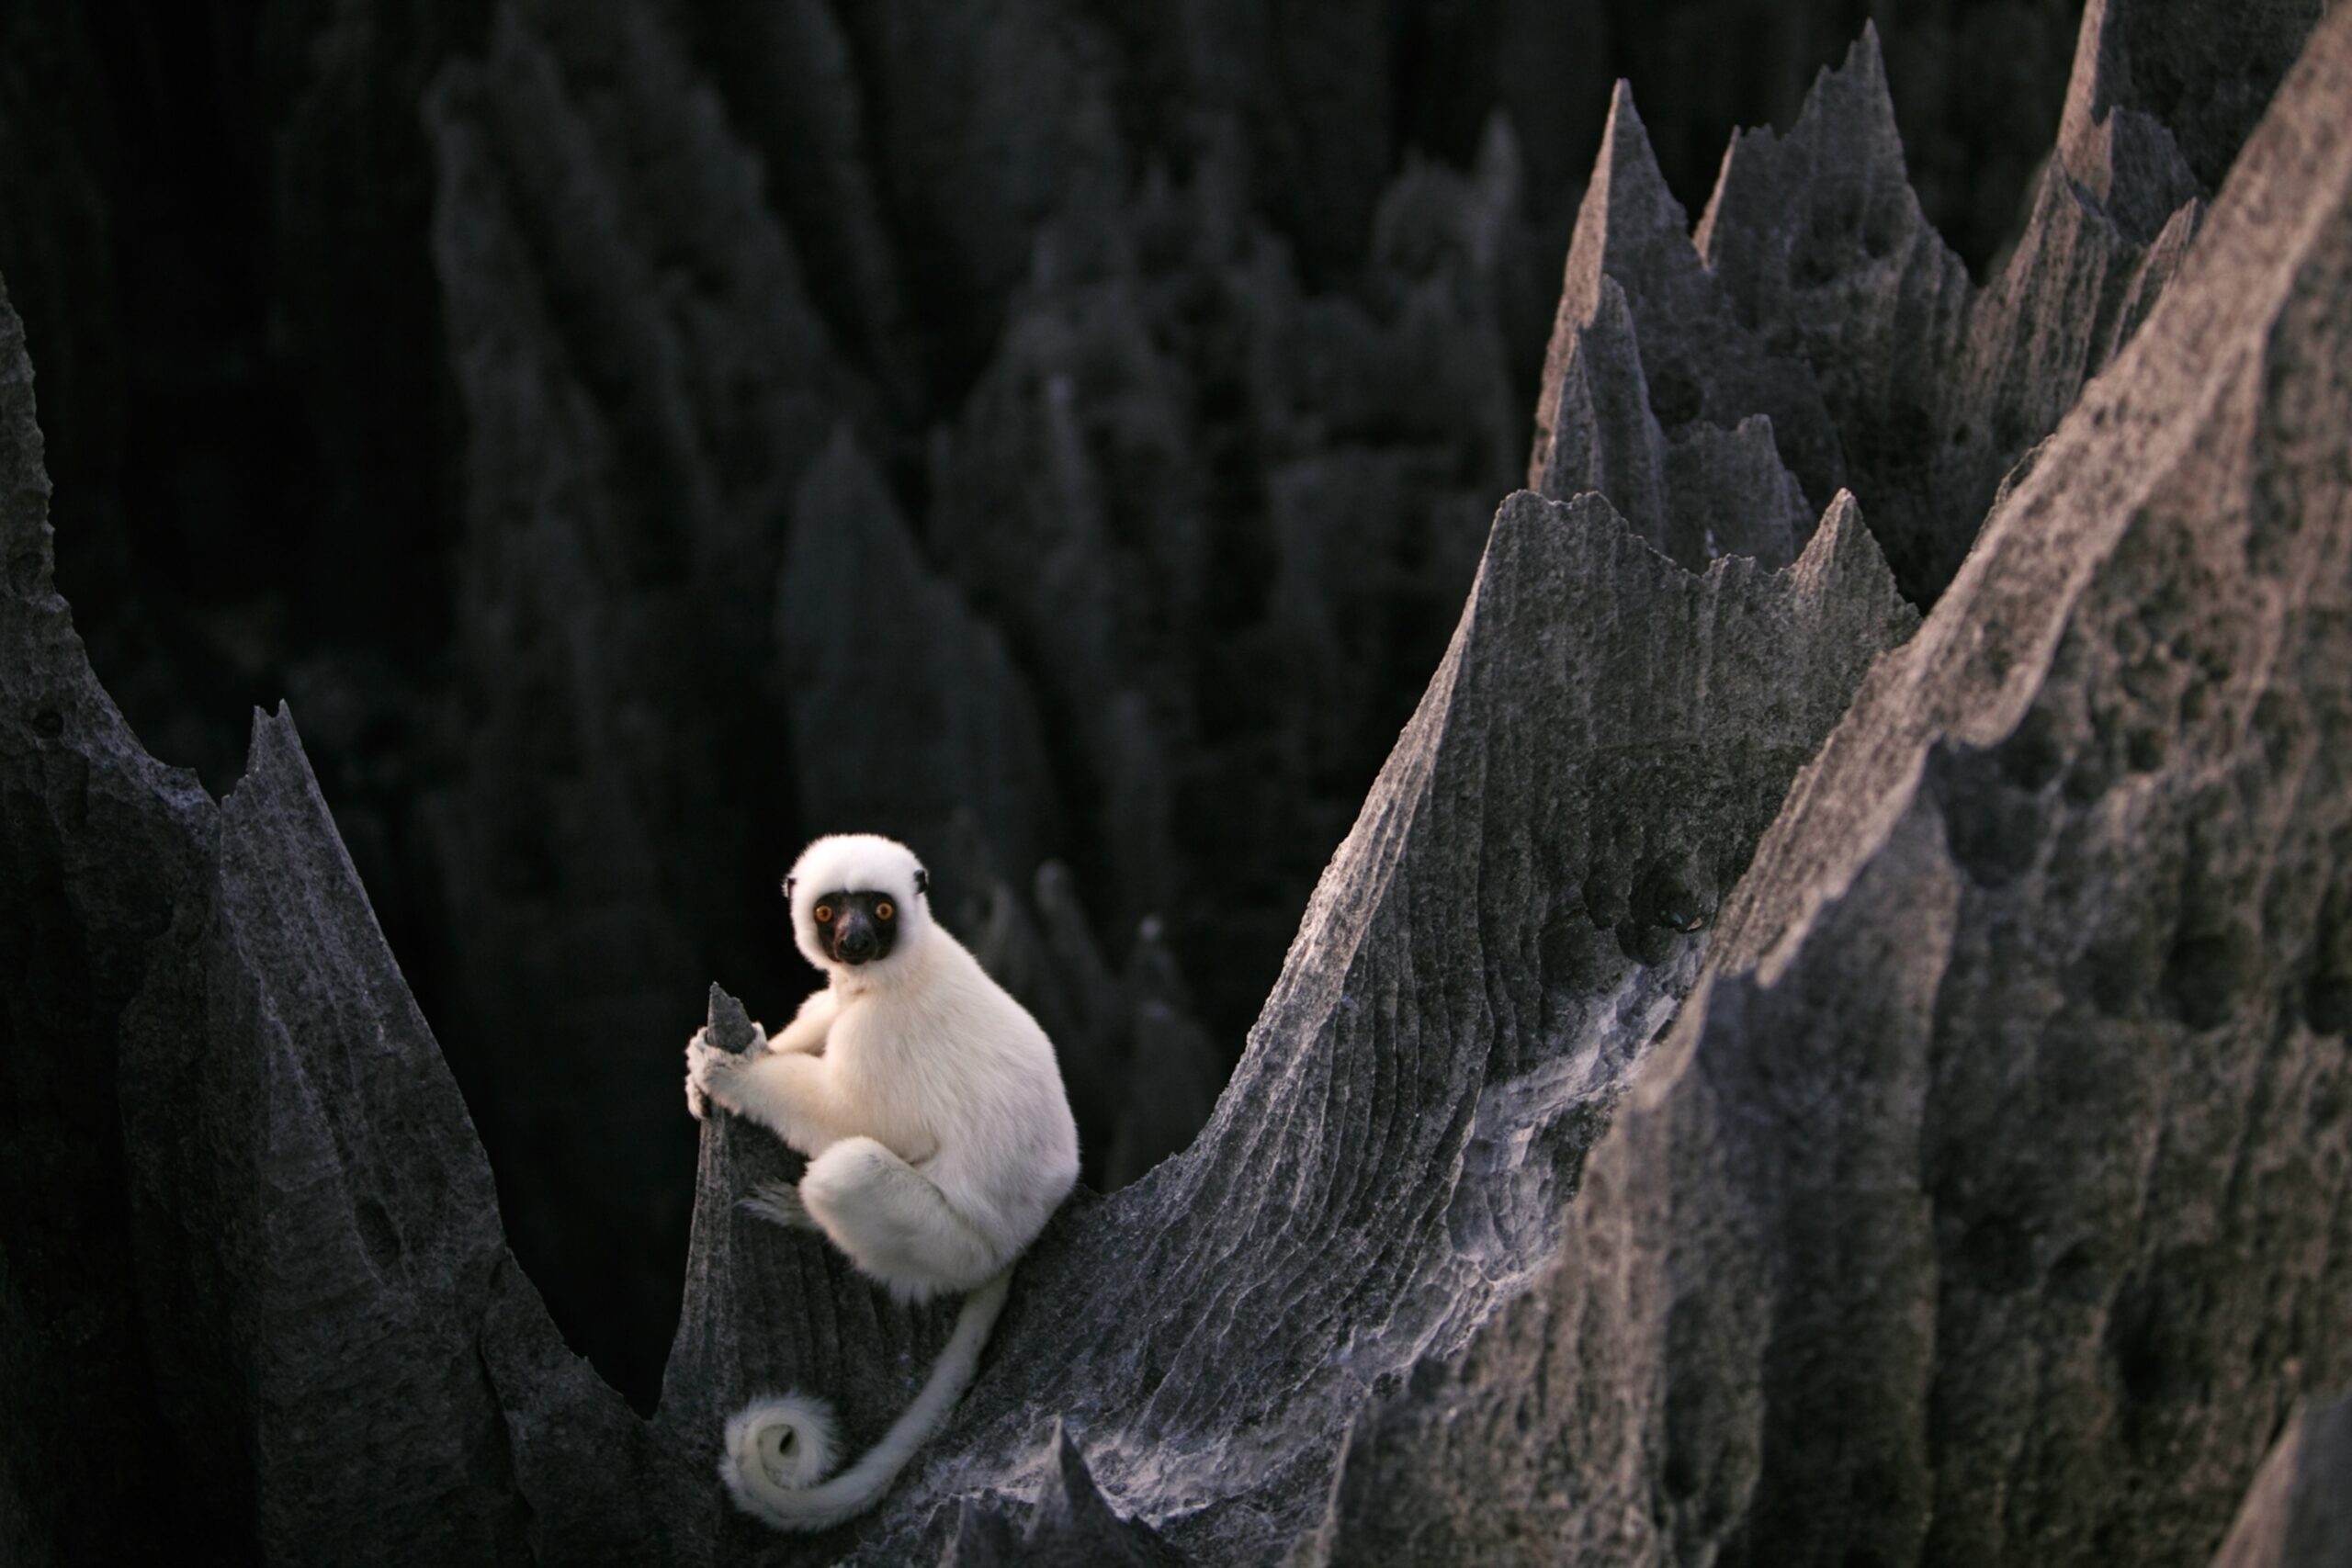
[2297,1513]
[100,848]
[315,1226]
[1987,1201]
[863,629]
[634,447]
[1980,1189]
[1814,292]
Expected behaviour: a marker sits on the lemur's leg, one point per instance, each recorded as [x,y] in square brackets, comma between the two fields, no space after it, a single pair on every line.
[778,1202]
[893,1223]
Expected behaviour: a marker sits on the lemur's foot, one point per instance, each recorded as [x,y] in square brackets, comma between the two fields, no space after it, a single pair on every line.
[778,1202]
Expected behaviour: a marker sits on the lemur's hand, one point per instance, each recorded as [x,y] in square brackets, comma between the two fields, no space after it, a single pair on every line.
[709,1071]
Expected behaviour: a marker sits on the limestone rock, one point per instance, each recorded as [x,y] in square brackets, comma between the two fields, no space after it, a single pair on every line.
[2298,1514]
[1582,782]
[861,628]
[1816,292]
[1987,1200]
[1979,1190]
[101,849]
[313,1217]
[770,1310]
[620,549]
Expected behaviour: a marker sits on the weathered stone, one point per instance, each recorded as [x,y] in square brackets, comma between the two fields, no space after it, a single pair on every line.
[1070,1526]
[861,629]
[1816,292]
[769,1310]
[633,446]
[2297,1513]
[1700,361]
[1987,1201]
[314,1338]
[101,848]
[2029,1019]
[2204,75]
[1582,781]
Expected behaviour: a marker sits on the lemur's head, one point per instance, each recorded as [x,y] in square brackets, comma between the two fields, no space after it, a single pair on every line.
[858,898]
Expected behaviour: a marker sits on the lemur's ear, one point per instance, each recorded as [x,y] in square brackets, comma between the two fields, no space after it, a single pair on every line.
[787,888]
[922,880]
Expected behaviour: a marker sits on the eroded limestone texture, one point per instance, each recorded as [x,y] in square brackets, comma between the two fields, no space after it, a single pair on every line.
[1816,310]
[1726,1097]
[1987,1201]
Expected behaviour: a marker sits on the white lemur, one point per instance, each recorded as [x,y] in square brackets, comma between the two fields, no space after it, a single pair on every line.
[939,1141]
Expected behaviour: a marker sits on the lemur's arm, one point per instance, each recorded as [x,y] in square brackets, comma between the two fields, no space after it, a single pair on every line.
[790,1093]
[809,1026]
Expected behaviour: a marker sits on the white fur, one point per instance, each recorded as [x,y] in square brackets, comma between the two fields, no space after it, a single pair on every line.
[940,1141]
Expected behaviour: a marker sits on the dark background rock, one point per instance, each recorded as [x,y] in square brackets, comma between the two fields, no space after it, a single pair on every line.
[104,848]
[452,370]
[309,1199]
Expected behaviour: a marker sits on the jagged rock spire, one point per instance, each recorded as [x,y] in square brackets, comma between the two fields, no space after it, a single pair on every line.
[1569,793]
[1818,296]
[1986,1200]
[1646,347]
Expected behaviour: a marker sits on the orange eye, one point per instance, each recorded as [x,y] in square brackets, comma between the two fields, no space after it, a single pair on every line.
[824,914]
[883,911]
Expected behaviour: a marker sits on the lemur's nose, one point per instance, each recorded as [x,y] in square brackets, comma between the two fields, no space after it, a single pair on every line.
[857,944]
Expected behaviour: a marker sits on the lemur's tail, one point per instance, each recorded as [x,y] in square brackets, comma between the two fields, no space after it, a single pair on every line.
[778,1446]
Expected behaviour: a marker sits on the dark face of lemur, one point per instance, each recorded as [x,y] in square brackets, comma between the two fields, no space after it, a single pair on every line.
[856,928]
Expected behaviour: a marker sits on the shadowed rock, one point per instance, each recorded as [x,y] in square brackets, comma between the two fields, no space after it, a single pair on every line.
[861,629]
[219,1085]
[1697,361]
[632,447]
[1071,1525]
[101,848]
[2201,77]
[313,1331]
[1987,1201]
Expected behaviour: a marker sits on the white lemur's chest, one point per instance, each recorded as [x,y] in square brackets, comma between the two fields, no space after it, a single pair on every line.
[877,1056]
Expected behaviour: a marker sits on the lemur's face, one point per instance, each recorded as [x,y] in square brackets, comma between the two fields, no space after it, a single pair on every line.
[857,899]
[856,927]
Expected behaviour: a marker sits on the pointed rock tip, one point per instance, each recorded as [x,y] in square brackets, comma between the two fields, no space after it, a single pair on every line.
[1844,550]
[1070,1465]
[272,746]
[1524,510]
[1858,80]
[842,467]
[1528,524]
[730,1025]
[1070,1488]
[1865,50]
[1625,149]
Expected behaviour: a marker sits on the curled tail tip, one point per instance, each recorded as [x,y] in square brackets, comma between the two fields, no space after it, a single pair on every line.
[780,1446]
[782,1439]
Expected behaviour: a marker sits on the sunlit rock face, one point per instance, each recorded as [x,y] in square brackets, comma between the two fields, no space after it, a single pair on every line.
[1985,1202]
